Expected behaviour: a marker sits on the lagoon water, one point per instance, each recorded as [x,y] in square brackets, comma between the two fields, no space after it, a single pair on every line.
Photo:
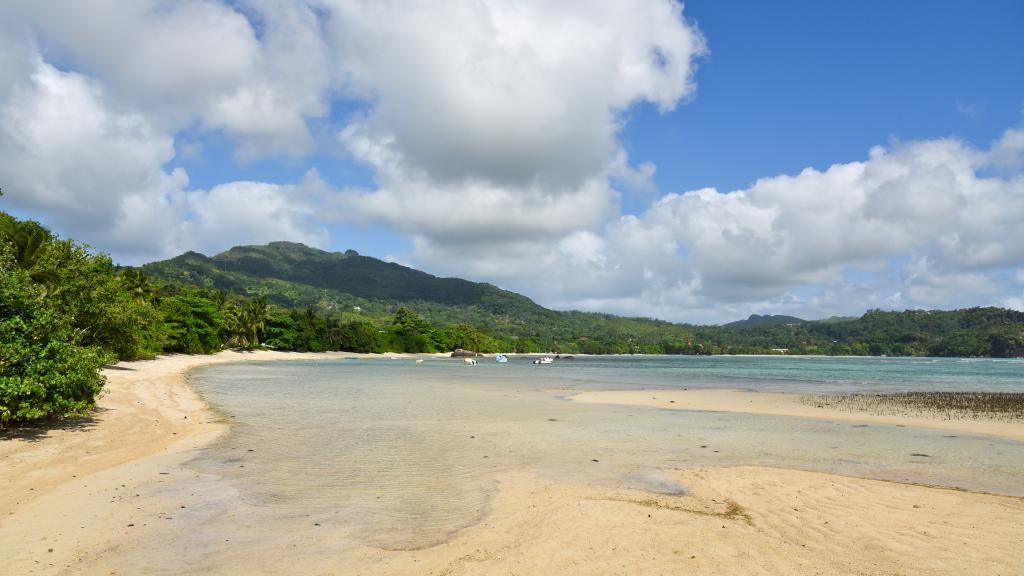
[405,455]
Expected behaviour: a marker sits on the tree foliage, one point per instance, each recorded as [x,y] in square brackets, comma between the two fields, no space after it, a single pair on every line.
[44,371]
[193,324]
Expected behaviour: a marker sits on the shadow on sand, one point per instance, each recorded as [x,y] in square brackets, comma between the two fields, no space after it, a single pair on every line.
[36,431]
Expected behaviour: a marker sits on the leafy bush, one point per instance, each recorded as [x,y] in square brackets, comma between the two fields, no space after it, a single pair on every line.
[43,371]
[104,310]
[193,324]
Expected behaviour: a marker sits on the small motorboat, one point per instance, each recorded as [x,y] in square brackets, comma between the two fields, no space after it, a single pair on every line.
[545,360]
[469,361]
[501,359]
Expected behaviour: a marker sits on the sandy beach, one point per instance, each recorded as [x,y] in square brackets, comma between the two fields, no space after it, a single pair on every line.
[786,404]
[70,504]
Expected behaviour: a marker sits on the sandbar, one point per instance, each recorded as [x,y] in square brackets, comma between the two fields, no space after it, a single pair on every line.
[789,404]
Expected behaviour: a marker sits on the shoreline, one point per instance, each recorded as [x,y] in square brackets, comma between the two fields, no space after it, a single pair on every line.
[789,405]
[68,508]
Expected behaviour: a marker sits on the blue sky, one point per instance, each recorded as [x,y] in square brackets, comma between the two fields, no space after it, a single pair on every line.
[794,84]
[512,143]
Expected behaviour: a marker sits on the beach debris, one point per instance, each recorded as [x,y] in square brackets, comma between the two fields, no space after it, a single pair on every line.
[1003,406]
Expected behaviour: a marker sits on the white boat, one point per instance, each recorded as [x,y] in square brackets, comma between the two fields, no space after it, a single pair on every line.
[545,360]
[501,359]
[469,361]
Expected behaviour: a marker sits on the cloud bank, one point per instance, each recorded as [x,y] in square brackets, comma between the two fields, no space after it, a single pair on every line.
[492,131]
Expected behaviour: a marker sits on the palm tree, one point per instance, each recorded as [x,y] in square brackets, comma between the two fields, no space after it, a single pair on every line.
[253,319]
[234,328]
[334,334]
[28,239]
[220,298]
[138,283]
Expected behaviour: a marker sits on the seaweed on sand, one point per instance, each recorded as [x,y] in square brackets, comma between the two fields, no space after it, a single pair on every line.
[1004,406]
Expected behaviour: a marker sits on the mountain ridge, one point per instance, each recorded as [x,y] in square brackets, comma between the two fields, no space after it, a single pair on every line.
[347,287]
[756,320]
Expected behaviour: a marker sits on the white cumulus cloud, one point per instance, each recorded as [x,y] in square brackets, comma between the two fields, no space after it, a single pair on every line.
[93,171]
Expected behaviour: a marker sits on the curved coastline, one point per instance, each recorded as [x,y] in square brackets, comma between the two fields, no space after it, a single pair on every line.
[67,508]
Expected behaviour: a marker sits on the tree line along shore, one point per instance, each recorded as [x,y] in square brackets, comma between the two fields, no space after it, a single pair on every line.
[66,311]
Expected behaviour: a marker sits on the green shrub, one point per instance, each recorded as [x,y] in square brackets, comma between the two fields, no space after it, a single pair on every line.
[192,323]
[43,372]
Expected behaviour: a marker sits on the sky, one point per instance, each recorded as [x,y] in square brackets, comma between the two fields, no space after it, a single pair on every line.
[695,163]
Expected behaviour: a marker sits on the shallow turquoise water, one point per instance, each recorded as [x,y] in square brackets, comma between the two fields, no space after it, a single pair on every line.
[781,373]
[406,454]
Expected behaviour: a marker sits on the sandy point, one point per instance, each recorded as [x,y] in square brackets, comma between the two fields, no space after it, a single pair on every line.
[789,404]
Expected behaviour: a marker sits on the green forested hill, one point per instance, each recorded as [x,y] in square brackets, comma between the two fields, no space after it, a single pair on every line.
[245,269]
[767,320]
[348,287]
[968,332]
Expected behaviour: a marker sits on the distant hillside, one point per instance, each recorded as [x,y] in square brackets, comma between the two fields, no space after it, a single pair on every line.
[347,287]
[350,278]
[756,320]
[833,319]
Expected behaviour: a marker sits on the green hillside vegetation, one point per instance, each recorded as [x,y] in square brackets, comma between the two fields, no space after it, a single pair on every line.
[65,311]
[294,276]
[756,320]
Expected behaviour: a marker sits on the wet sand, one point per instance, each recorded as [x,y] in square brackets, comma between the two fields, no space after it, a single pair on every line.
[82,500]
[787,404]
